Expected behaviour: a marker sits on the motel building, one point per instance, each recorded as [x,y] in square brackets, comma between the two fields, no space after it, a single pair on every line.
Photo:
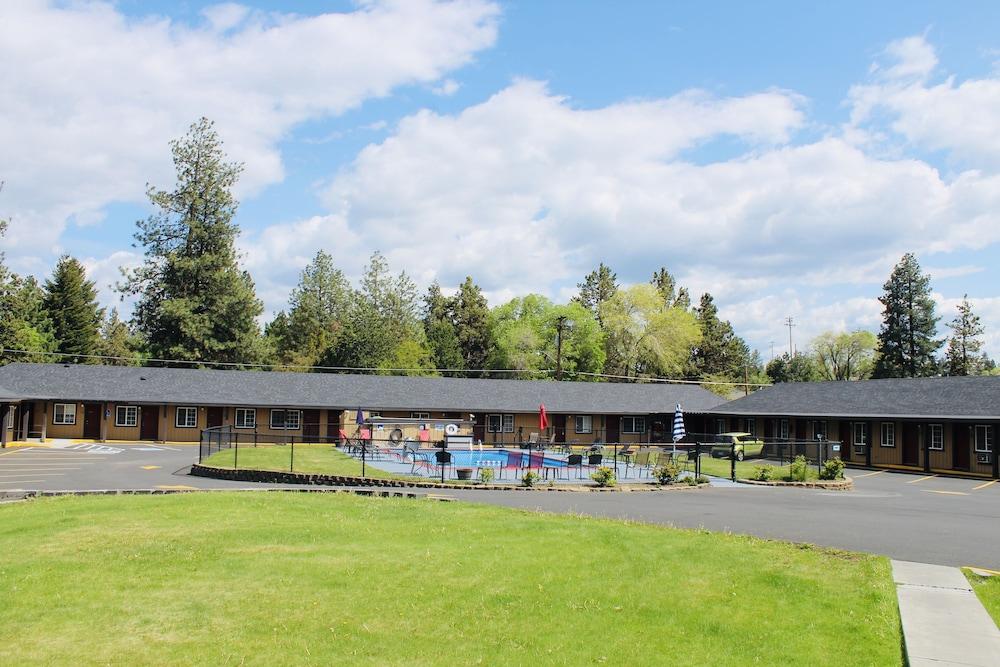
[131,404]
[932,425]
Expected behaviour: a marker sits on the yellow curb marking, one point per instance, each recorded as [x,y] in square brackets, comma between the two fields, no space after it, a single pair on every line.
[150,467]
[983,486]
[983,569]
[178,487]
[16,451]
[947,493]
[869,474]
[914,481]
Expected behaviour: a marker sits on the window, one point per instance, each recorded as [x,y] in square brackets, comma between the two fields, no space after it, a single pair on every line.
[720,426]
[984,438]
[819,430]
[783,429]
[246,418]
[126,415]
[860,437]
[187,418]
[888,434]
[584,424]
[374,414]
[500,423]
[935,437]
[426,416]
[286,420]
[64,414]
[633,424]
[748,425]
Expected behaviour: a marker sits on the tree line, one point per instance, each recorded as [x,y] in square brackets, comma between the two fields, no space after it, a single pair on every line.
[906,345]
[195,304]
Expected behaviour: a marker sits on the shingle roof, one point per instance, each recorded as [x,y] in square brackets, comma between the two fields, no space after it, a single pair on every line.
[322,390]
[6,395]
[942,397]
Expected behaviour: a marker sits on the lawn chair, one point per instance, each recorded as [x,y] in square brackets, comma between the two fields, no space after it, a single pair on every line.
[645,459]
[532,442]
[594,460]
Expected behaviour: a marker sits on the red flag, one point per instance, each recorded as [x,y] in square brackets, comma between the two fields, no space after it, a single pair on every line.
[543,419]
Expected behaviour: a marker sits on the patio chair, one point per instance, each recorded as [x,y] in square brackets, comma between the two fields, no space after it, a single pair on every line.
[421,460]
[574,461]
[532,442]
[514,460]
[443,460]
[645,459]
[594,460]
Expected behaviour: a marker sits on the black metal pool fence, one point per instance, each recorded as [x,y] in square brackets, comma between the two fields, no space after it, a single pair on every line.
[689,451]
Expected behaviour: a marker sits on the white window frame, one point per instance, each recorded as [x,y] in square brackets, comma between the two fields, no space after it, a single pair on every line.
[185,410]
[986,440]
[888,435]
[128,411]
[783,429]
[242,423]
[859,444]
[286,424]
[423,416]
[583,424]
[935,437]
[638,425]
[68,418]
[499,423]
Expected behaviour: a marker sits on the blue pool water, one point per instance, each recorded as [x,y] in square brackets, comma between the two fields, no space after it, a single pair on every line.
[475,459]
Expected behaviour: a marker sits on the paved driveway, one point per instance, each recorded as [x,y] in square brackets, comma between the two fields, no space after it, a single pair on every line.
[908,517]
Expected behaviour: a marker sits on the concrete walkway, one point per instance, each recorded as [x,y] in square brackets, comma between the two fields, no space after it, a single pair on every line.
[943,621]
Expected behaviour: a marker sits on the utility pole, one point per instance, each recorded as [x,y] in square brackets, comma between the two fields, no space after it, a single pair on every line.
[560,324]
[789,322]
[772,350]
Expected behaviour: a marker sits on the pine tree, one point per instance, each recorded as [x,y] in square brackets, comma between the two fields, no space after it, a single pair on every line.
[439,328]
[596,289]
[24,325]
[906,342]
[195,303]
[71,303]
[118,342]
[674,296]
[317,308]
[721,354]
[472,325]
[964,346]
[799,368]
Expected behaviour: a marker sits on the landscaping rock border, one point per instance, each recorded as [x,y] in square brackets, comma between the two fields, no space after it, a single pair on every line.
[279,477]
[27,495]
[845,484]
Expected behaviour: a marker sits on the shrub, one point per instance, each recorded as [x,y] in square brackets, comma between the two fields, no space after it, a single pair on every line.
[799,469]
[762,473]
[486,475]
[832,469]
[667,473]
[604,476]
[690,480]
[530,478]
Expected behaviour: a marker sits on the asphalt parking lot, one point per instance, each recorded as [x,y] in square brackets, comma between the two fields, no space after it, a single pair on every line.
[925,518]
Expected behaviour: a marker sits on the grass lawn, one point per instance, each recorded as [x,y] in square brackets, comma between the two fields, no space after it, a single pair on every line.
[744,469]
[321,579]
[320,459]
[988,591]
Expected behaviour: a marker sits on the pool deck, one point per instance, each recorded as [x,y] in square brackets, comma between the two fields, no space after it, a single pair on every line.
[559,474]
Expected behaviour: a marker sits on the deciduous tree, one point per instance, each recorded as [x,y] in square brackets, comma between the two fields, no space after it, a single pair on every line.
[844,356]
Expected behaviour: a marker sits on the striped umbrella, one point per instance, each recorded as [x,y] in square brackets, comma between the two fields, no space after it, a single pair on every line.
[679,431]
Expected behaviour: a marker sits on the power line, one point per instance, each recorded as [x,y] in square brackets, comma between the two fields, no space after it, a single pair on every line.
[234,364]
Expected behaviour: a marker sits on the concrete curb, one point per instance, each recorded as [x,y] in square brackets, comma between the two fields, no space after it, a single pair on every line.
[29,495]
[944,623]
[279,477]
[845,484]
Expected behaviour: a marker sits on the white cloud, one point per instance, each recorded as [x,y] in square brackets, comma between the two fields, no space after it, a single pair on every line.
[448,87]
[91,97]
[960,118]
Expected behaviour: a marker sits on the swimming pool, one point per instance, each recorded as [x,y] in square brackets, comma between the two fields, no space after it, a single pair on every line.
[496,457]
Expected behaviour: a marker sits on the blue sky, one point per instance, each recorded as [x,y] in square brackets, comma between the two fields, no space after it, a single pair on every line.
[779,155]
